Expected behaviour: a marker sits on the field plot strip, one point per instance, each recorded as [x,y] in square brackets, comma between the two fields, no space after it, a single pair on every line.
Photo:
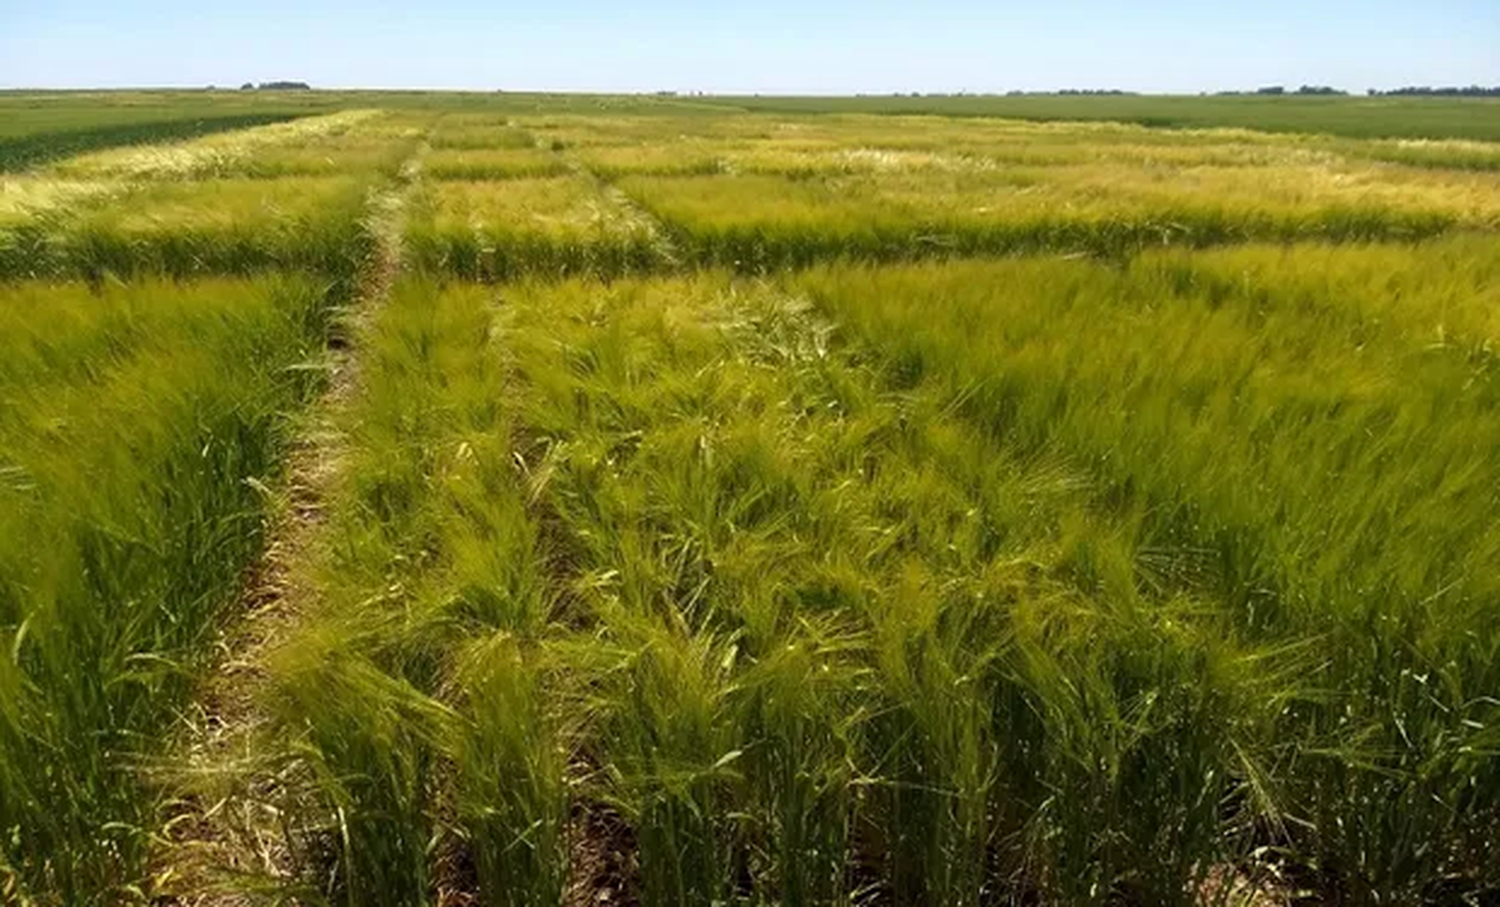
[553,226]
[1307,433]
[772,193]
[674,561]
[223,828]
[207,155]
[135,422]
[1360,118]
[23,152]
[201,208]
[782,192]
[758,221]
[667,253]
[143,421]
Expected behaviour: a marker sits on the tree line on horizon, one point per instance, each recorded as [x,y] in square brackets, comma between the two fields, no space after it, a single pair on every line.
[1472,91]
[1268,90]
[276,86]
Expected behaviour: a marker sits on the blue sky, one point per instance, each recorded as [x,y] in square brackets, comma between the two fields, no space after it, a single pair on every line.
[770,46]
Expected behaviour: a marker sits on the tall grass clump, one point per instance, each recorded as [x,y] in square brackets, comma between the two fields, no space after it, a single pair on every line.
[137,422]
[1311,425]
[28,205]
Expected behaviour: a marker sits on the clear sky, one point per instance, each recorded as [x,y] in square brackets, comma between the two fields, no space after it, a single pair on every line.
[769,46]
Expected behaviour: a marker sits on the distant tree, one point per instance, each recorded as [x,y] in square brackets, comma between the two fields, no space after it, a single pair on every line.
[285,86]
[1448,91]
[1319,90]
[1271,89]
[248,86]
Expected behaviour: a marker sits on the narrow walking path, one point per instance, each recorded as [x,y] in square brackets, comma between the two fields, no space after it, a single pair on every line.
[221,824]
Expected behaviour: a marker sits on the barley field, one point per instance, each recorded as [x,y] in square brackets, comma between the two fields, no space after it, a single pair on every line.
[422,499]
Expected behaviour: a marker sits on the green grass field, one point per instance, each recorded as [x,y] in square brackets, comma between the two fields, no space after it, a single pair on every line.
[518,499]
[37,127]
[1355,117]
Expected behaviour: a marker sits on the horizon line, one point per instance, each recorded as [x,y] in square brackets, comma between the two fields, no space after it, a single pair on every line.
[1288,91]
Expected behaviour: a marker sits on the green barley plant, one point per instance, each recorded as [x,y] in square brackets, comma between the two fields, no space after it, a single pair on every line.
[613,162]
[491,164]
[210,155]
[183,229]
[503,230]
[137,424]
[481,133]
[677,550]
[431,525]
[1255,403]
[761,220]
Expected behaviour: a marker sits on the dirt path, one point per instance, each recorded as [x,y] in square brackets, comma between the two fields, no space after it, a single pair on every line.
[221,826]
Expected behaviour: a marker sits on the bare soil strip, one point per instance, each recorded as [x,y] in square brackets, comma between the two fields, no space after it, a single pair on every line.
[603,862]
[221,827]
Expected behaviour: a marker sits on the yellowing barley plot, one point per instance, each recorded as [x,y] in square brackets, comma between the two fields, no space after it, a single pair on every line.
[551,225]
